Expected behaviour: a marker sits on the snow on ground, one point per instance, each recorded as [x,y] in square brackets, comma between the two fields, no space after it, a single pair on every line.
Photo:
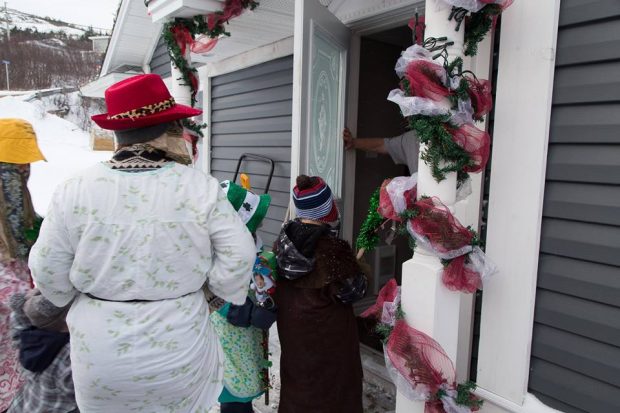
[64,145]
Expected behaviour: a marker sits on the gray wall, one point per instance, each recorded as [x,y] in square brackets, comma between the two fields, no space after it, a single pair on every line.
[575,364]
[251,112]
[160,61]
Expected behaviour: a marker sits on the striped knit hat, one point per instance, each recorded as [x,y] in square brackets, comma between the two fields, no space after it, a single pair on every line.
[251,208]
[314,200]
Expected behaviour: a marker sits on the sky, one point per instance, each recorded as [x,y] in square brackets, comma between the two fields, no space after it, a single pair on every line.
[98,13]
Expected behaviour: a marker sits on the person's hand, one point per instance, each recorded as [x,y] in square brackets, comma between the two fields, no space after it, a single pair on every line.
[348,139]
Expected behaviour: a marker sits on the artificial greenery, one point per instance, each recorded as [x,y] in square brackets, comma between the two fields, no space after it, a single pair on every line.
[188,72]
[194,126]
[478,26]
[465,396]
[442,154]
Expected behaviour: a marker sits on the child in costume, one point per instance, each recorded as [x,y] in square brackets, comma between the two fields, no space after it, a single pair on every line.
[319,279]
[241,328]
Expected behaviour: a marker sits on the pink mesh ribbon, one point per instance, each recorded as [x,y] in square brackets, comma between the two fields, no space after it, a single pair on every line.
[203,44]
[476,142]
[416,363]
[182,37]
[388,294]
[396,195]
[458,276]
[427,80]
[419,358]
[480,96]
[438,231]
[232,9]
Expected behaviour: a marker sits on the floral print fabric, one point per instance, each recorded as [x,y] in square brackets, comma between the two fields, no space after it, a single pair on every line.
[243,356]
[13,279]
[157,237]
[15,217]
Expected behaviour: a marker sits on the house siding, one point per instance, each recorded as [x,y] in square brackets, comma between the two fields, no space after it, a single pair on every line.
[575,359]
[251,113]
[160,61]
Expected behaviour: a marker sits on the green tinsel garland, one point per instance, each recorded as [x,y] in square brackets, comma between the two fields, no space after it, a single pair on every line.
[368,237]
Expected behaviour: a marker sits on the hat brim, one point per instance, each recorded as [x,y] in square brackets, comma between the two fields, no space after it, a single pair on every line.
[177,112]
[20,151]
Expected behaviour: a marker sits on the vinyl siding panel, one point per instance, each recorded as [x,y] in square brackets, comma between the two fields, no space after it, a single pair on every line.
[251,113]
[160,61]
[575,364]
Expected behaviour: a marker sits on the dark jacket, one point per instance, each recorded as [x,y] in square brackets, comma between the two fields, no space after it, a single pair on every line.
[320,370]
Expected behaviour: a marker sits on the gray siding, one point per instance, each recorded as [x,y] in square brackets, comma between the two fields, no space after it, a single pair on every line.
[575,365]
[251,113]
[160,61]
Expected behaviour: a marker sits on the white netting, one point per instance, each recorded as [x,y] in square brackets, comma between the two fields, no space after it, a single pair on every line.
[418,393]
[396,190]
[424,243]
[463,114]
[413,105]
[388,314]
[479,262]
[464,190]
[415,52]
[471,5]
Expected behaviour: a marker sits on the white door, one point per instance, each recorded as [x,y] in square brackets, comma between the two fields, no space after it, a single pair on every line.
[319,93]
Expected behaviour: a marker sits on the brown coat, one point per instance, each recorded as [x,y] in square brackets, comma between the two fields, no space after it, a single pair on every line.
[321,370]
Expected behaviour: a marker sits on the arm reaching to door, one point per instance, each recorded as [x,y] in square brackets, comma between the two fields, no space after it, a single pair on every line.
[367,145]
[402,149]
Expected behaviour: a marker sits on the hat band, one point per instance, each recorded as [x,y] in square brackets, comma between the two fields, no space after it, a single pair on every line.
[145,110]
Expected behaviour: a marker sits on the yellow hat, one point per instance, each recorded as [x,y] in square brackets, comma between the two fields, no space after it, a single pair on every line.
[18,142]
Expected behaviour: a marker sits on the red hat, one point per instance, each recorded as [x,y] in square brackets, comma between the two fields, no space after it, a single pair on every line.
[139,101]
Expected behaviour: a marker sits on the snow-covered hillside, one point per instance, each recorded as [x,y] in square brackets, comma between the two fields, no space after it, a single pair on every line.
[25,21]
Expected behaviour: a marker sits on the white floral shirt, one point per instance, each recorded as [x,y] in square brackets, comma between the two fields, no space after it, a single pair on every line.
[147,242]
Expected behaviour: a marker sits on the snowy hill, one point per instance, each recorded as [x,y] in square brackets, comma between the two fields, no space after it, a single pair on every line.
[47,53]
[24,21]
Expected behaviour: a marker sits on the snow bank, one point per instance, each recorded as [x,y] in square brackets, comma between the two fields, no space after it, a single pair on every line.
[65,146]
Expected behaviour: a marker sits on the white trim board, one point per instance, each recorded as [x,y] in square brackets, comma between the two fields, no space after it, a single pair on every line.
[495,404]
[521,134]
[262,54]
[116,36]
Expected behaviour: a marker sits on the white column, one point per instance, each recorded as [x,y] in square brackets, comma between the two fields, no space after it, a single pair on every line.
[181,92]
[428,305]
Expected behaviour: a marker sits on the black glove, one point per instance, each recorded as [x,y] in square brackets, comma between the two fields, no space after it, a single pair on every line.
[240,315]
[353,289]
[263,318]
